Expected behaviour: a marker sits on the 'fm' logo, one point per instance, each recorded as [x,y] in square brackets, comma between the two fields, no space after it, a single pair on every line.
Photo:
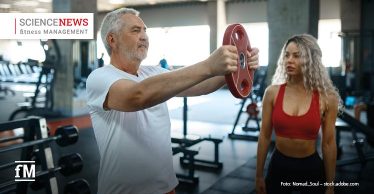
[25,171]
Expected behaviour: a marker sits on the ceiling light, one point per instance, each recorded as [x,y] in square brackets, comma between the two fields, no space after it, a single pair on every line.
[117,1]
[5,6]
[40,10]
[45,1]
[26,3]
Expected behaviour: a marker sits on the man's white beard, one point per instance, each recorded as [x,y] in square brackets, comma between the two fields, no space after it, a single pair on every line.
[134,54]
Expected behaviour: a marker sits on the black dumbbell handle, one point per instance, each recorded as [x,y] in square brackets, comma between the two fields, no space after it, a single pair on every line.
[63,165]
[7,165]
[7,184]
[47,172]
[30,143]
[7,139]
[10,164]
[8,190]
[37,175]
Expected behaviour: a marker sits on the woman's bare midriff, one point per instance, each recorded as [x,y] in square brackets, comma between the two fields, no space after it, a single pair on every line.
[297,148]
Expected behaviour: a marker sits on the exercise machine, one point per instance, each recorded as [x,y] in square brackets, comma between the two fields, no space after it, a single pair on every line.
[46,79]
[355,126]
[252,109]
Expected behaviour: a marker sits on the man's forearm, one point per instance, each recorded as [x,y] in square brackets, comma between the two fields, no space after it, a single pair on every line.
[160,88]
[205,87]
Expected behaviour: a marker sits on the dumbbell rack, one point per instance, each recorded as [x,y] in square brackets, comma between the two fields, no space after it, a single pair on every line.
[36,137]
[34,128]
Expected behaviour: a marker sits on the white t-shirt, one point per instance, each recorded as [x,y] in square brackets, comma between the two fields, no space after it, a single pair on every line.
[135,147]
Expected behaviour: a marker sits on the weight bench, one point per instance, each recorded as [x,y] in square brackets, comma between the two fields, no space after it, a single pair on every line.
[190,140]
[189,177]
[185,141]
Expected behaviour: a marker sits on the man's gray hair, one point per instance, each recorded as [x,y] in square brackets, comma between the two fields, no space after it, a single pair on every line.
[112,23]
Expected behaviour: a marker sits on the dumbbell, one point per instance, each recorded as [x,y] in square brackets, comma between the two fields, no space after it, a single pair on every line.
[79,186]
[67,165]
[64,136]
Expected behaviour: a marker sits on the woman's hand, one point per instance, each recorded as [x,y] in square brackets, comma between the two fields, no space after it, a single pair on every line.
[260,185]
[329,190]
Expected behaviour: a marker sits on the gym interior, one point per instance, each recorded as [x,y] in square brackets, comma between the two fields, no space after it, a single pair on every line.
[44,116]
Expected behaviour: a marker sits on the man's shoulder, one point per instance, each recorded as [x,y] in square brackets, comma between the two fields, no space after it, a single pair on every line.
[149,67]
[101,72]
[103,68]
[152,70]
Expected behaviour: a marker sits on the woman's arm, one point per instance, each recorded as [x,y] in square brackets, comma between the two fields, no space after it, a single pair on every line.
[328,140]
[264,138]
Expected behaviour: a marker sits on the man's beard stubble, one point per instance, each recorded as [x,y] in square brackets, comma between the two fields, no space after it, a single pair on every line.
[134,53]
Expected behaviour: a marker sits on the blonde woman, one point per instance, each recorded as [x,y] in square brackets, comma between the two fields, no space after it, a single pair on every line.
[301,101]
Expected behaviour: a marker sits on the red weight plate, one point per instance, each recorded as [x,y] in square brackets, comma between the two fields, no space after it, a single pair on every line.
[240,83]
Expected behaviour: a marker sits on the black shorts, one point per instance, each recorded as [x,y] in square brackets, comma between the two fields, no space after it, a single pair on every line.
[287,174]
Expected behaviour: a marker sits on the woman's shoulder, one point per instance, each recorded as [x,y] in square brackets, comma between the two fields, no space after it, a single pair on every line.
[273,88]
[331,96]
[331,101]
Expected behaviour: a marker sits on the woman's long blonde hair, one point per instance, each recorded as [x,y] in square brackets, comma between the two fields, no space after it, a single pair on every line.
[315,76]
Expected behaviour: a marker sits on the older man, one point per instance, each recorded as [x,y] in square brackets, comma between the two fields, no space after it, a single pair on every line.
[128,110]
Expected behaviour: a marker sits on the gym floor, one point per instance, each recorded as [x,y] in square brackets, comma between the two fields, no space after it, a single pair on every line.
[208,116]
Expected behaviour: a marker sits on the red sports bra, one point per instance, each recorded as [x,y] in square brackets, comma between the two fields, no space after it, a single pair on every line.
[296,127]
